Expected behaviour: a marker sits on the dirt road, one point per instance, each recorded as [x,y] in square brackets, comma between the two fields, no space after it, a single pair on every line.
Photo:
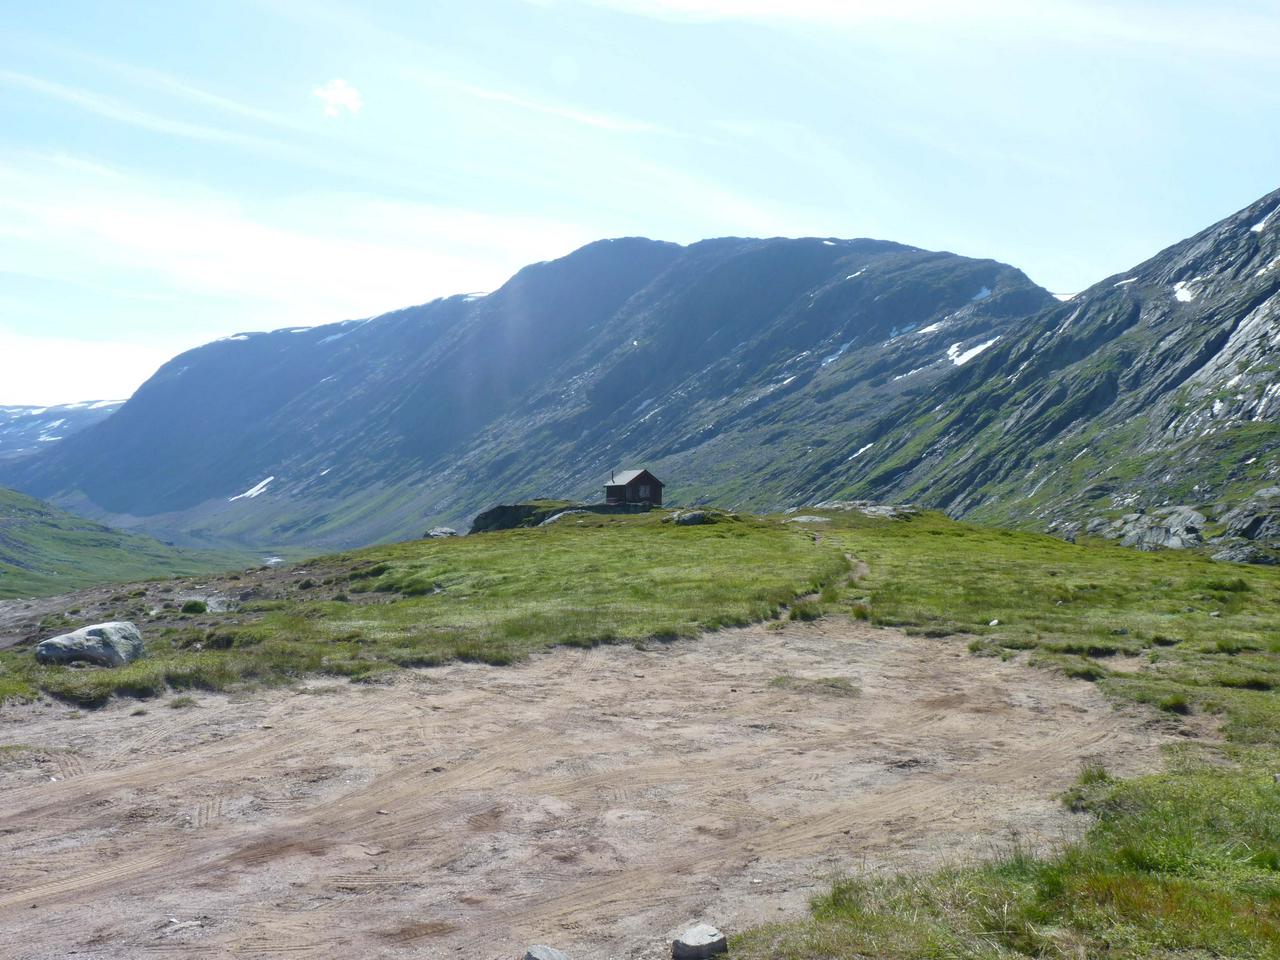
[596,801]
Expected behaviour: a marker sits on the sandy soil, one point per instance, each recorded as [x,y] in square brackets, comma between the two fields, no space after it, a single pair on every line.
[597,801]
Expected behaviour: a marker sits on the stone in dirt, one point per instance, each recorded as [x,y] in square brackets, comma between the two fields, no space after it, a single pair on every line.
[699,942]
[102,644]
[544,953]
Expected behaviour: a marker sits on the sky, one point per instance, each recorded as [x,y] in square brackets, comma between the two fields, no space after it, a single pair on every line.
[171,173]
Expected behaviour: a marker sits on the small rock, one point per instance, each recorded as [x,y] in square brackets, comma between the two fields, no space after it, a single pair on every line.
[540,952]
[699,942]
[103,644]
[692,518]
[1215,613]
[994,623]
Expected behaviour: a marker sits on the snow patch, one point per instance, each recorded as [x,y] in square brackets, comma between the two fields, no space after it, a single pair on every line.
[981,294]
[1182,291]
[931,328]
[253,491]
[786,381]
[862,451]
[1123,282]
[910,373]
[961,357]
[828,243]
[838,354]
[48,439]
[1262,224]
[854,276]
[1064,297]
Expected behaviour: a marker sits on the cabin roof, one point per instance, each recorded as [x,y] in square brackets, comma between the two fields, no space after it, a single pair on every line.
[626,476]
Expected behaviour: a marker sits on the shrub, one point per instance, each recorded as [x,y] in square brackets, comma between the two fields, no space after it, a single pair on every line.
[195,606]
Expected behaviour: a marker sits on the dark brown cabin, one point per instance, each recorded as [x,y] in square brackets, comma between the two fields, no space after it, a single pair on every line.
[633,486]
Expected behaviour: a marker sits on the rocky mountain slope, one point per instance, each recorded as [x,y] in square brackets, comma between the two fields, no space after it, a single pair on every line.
[25,430]
[45,550]
[1154,388]
[738,370]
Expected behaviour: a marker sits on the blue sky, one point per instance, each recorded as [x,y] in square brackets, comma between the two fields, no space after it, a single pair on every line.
[175,172]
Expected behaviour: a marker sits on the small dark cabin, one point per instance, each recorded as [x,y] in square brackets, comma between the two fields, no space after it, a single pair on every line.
[633,486]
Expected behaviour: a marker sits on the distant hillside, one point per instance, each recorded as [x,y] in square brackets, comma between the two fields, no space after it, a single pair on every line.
[44,550]
[1159,385]
[25,430]
[740,370]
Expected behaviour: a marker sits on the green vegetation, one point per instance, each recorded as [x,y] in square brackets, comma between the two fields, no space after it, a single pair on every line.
[493,598]
[44,550]
[1182,864]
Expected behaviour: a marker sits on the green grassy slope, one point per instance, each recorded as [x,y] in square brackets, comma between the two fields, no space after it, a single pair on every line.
[44,550]
[494,597]
[1183,864]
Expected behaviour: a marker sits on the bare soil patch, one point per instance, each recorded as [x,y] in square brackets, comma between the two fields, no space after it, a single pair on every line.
[594,800]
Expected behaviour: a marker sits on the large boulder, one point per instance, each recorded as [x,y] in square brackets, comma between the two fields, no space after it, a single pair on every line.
[698,943]
[102,644]
[438,533]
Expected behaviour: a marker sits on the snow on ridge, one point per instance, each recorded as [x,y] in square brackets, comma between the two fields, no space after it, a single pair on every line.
[1064,297]
[828,243]
[1123,282]
[1262,224]
[981,294]
[960,358]
[253,491]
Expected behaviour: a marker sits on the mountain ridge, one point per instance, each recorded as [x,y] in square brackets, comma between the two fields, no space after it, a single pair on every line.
[758,373]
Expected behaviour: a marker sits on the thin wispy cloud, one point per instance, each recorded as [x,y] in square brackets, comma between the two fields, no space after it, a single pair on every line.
[337,95]
[600,121]
[1224,28]
[113,109]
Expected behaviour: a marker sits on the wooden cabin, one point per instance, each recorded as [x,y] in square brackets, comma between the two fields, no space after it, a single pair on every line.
[633,486]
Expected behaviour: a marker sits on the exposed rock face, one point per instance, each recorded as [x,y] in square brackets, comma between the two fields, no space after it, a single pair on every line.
[1170,528]
[102,644]
[698,943]
[1245,553]
[1257,518]
[435,533]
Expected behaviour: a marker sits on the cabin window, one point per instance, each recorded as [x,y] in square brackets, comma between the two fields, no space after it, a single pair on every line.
[644,490]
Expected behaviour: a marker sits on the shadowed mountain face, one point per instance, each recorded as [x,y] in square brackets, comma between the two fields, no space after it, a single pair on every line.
[1157,386]
[747,371]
